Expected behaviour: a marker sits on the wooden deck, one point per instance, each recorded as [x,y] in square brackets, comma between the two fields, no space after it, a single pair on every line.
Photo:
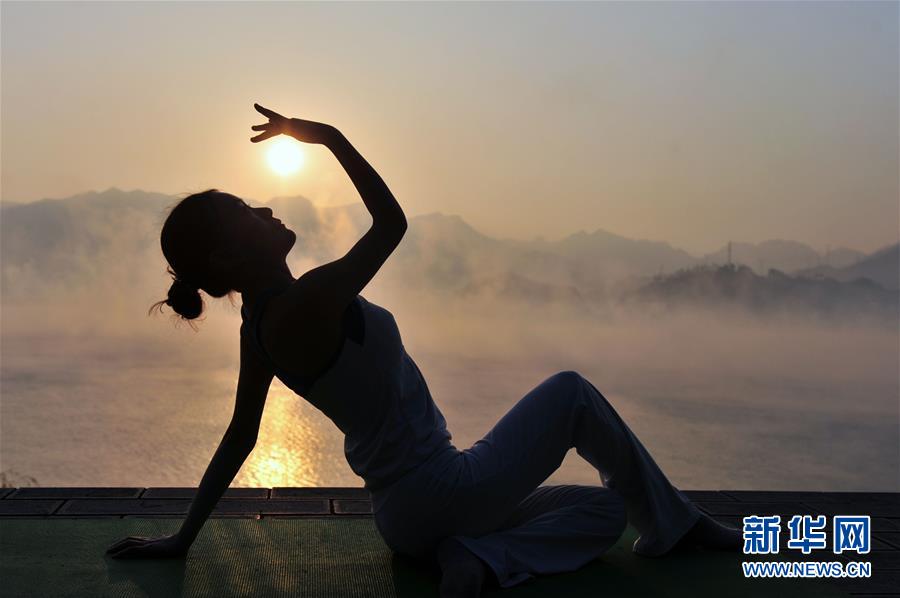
[256,503]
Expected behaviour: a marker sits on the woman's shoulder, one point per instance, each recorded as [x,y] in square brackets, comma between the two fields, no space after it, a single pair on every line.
[296,335]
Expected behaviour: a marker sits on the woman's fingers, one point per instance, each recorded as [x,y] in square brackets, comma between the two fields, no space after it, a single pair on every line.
[130,540]
[126,548]
[274,127]
[266,112]
[263,136]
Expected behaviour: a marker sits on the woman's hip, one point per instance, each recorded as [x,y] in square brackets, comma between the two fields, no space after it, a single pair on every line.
[412,514]
[442,498]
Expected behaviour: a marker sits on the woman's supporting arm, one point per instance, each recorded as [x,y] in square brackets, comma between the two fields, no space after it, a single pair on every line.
[225,464]
[254,381]
[237,444]
[222,469]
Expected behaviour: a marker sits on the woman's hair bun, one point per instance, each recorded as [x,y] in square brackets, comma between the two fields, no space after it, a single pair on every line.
[185,299]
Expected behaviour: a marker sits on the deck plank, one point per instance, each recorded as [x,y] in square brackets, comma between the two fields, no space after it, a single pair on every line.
[74,492]
[172,492]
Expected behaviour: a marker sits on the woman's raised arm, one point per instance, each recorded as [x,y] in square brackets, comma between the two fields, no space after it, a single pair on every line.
[331,287]
[375,194]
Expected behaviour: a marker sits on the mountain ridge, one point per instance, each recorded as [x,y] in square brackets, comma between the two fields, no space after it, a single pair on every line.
[114,236]
[284,201]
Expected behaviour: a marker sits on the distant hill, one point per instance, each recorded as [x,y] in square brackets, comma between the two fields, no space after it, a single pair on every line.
[66,243]
[842,256]
[738,286]
[108,242]
[602,255]
[779,254]
[883,267]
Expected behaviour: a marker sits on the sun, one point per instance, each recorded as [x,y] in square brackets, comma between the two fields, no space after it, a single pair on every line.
[285,156]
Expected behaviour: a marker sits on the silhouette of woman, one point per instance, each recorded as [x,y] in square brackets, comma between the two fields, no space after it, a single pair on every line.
[479,513]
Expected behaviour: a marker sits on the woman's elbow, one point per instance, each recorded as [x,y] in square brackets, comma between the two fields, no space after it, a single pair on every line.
[394,225]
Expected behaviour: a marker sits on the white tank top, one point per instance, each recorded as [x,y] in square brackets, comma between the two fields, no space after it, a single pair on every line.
[372,390]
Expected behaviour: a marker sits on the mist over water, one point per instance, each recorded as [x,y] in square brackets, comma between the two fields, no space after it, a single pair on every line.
[720,402]
[800,395]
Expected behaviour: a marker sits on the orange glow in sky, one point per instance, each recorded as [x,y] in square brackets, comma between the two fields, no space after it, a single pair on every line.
[285,156]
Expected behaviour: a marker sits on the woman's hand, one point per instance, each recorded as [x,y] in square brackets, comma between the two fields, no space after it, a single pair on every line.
[137,547]
[306,131]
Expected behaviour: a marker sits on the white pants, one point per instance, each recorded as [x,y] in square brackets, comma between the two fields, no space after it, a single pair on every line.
[488,496]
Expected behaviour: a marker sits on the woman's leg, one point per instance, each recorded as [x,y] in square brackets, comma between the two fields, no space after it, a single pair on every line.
[529,443]
[555,529]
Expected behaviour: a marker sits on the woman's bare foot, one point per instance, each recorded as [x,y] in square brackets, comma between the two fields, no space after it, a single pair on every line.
[709,533]
[462,573]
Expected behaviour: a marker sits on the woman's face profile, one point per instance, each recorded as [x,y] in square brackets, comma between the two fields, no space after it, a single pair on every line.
[253,230]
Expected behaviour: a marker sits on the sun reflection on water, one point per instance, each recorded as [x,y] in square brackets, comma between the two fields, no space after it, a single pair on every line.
[297,446]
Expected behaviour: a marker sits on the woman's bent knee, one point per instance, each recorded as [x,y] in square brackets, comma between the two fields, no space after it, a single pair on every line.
[568,377]
[576,382]
[569,382]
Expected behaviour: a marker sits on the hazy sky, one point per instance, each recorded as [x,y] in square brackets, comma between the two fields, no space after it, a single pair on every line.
[693,123]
